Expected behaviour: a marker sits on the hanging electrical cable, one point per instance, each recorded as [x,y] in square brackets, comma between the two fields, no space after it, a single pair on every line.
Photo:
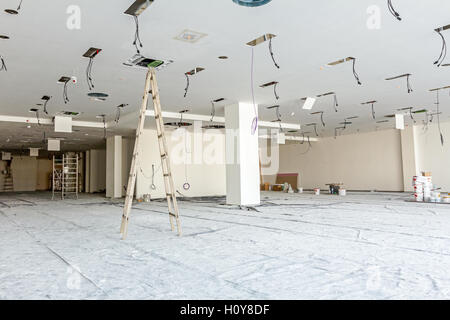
[118,112]
[408,84]
[91,53]
[186,185]
[392,11]
[46,100]
[355,74]
[271,54]
[277,97]
[187,85]
[65,96]
[443,53]
[213,111]
[315,128]
[254,126]
[137,38]
[321,117]
[372,104]
[153,186]
[438,117]
[37,117]
[335,103]
[3,64]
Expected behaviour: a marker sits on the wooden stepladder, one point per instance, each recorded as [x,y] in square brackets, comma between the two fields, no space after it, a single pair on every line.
[151,86]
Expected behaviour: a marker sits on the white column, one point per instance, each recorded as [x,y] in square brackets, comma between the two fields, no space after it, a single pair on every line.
[241,155]
[114,167]
[409,156]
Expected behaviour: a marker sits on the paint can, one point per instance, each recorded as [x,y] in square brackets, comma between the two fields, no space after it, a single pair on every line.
[300,190]
[147,197]
[342,192]
[317,191]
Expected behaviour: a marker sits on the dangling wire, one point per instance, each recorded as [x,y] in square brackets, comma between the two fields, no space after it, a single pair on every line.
[3,65]
[354,72]
[438,117]
[37,117]
[116,120]
[309,142]
[20,5]
[443,54]
[271,54]
[89,73]
[186,185]
[65,97]
[315,131]
[213,111]
[408,84]
[137,38]
[373,111]
[277,97]
[45,105]
[411,115]
[393,12]
[254,126]
[303,138]
[187,85]
[335,103]
[153,186]
[118,112]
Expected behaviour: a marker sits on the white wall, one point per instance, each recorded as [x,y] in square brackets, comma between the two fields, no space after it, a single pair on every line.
[432,156]
[44,170]
[364,161]
[206,179]
[97,166]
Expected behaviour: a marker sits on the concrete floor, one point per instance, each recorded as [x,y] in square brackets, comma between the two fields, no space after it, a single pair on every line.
[363,246]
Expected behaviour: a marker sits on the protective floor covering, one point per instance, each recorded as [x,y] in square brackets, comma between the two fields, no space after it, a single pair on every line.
[363,246]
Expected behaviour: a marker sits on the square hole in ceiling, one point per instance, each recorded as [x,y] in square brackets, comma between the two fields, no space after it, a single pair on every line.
[190,36]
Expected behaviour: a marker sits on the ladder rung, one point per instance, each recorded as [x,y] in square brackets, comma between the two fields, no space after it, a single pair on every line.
[167,175]
[172,214]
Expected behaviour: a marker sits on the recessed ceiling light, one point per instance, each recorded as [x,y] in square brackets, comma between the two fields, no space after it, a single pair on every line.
[190,36]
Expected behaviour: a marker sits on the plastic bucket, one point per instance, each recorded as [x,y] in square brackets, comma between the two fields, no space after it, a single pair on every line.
[317,191]
[342,192]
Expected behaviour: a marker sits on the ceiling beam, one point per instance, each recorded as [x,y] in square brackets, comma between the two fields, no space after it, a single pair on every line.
[200,117]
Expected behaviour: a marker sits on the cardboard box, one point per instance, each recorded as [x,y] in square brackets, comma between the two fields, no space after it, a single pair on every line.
[426,174]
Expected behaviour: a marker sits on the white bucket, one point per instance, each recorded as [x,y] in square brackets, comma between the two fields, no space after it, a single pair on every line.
[300,190]
[317,191]
[342,192]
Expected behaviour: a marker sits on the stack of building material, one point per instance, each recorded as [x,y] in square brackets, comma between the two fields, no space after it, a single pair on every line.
[423,186]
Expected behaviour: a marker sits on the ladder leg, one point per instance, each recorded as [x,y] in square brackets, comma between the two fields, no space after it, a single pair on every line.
[132,176]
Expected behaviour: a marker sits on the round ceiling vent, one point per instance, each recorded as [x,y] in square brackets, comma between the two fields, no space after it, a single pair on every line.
[98,95]
[251,3]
